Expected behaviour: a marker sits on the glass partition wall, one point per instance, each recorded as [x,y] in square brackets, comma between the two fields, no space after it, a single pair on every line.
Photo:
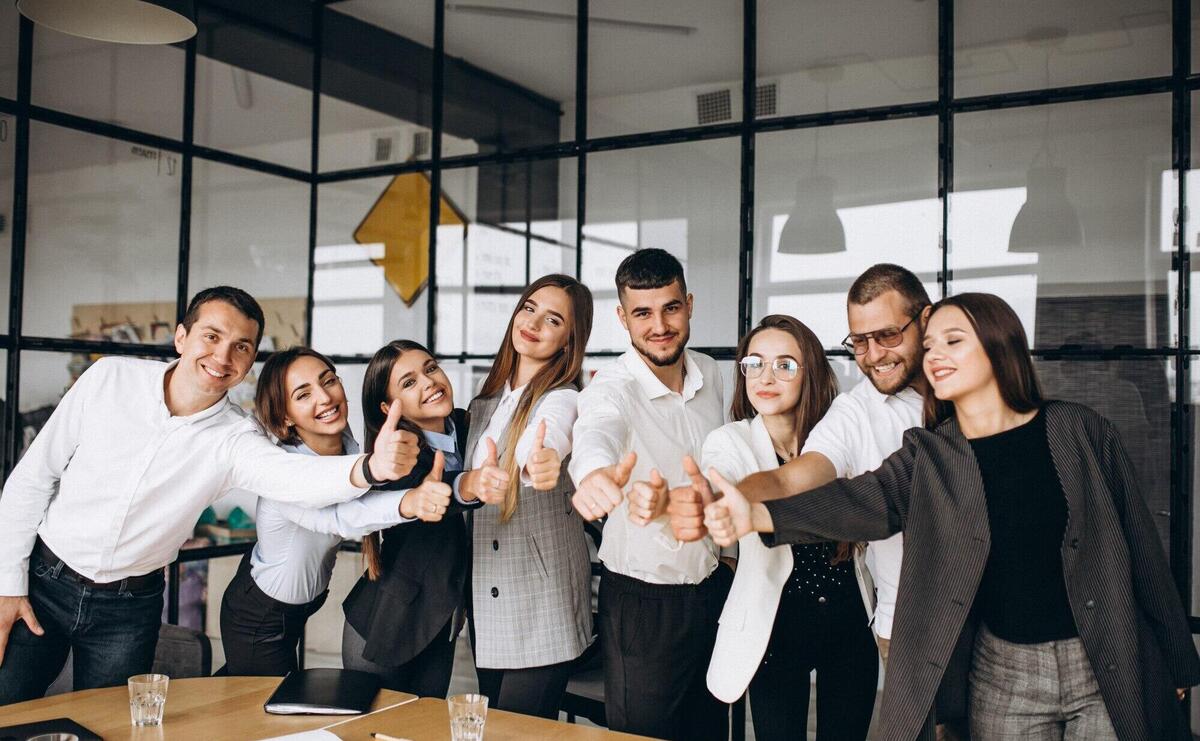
[373,170]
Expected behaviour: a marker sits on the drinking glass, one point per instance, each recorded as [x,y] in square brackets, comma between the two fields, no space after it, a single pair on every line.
[467,714]
[147,698]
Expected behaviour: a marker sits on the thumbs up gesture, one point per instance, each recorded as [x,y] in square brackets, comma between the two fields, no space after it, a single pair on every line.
[728,518]
[648,500]
[428,502]
[543,464]
[686,504]
[601,490]
[395,451]
[489,482]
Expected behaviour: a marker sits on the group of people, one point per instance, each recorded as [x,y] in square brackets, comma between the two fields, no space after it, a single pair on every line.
[990,545]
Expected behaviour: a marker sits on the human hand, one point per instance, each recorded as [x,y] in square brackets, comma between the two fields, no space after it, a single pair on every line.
[395,450]
[648,499]
[429,501]
[728,518]
[13,609]
[601,490]
[543,464]
[686,504]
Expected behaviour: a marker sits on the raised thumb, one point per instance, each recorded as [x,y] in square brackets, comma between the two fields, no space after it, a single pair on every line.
[439,465]
[492,458]
[656,479]
[393,416]
[539,439]
[625,467]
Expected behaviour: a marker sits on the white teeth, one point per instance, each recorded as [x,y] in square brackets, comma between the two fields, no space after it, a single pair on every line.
[942,372]
[213,373]
[436,397]
[328,414]
[885,367]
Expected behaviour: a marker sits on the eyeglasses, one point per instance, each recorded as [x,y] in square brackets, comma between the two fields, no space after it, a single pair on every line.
[784,369]
[886,337]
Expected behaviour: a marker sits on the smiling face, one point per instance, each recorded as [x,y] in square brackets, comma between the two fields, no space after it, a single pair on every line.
[658,321]
[956,364]
[540,327]
[890,369]
[316,402]
[768,394]
[420,384]
[218,351]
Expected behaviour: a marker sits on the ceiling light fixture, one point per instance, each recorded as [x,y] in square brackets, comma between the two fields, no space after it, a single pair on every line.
[118,21]
[814,227]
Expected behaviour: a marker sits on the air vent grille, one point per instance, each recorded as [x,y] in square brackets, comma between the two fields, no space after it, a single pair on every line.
[383,148]
[714,107]
[766,99]
[421,144]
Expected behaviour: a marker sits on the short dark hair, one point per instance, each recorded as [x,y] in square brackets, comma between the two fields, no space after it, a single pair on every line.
[649,268]
[235,297]
[879,279]
[270,397]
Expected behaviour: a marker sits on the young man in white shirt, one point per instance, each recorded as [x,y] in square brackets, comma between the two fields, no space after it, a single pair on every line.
[114,483]
[659,598]
[886,308]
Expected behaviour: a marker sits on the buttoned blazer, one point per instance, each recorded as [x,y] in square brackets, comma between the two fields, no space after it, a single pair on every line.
[531,576]
[737,450]
[1125,604]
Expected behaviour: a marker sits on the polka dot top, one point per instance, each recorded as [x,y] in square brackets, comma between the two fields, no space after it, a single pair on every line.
[814,576]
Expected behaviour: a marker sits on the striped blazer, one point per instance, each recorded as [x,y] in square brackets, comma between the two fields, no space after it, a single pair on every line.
[1124,602]
[531,599]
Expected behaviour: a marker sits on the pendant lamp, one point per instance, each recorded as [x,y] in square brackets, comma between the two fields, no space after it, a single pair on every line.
[119,21]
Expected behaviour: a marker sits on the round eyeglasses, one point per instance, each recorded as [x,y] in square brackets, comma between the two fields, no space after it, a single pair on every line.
[783,369]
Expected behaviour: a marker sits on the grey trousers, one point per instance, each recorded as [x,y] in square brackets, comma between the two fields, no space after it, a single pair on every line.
[1035,692]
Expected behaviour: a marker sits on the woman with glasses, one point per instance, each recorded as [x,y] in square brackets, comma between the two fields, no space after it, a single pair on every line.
[1036,600]
[791,609]
[285,578]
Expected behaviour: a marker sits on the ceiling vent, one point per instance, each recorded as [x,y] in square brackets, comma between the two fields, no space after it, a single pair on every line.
[384,146]
[421,144]
[714,107]
[766,99]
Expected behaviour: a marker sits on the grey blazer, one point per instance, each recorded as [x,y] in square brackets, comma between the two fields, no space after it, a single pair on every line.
[531,576]
[1124,601]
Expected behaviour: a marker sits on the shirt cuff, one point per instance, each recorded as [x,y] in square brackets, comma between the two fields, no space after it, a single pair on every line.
[15,582]
[458,497]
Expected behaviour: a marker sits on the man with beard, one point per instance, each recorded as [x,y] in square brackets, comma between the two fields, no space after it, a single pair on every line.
[886,308]
[659,598]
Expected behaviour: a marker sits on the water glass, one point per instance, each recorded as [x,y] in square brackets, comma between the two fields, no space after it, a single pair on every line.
[467,714]
[147,698]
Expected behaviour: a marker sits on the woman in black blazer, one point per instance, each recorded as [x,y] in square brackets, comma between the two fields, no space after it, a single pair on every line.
[1035,599]
[404,613]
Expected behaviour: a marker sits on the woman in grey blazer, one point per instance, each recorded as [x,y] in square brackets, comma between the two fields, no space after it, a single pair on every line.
[531,613]
[1035,599]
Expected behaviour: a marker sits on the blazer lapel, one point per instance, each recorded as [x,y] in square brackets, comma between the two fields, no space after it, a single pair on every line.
[761,445]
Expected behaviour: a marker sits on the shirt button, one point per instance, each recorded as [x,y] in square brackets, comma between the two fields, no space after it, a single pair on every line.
[495,592]
[1090,604]
[495,545]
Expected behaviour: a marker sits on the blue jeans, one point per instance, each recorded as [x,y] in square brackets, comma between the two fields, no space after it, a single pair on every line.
[112,633]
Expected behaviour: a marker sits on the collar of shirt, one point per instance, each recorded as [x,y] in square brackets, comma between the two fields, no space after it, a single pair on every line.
[447,441]
[349,445]
[160,394]
[693,379]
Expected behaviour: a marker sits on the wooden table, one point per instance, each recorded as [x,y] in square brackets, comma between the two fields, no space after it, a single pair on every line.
[232,708]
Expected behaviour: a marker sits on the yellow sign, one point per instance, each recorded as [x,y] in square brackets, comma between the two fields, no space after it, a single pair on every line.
[400,220]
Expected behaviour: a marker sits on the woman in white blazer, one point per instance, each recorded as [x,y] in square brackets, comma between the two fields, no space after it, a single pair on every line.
[791,609]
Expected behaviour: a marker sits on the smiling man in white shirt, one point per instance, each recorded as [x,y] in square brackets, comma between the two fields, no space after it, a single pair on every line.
[659,598]
[114,483]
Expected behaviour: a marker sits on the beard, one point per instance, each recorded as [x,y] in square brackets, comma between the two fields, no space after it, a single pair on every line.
[897,383]
[670,356]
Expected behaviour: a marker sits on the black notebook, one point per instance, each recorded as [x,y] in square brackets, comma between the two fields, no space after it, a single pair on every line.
[53,725]
[324,692]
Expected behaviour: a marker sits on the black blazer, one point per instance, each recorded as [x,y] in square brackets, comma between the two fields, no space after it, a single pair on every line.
[424,576]
[1124,601]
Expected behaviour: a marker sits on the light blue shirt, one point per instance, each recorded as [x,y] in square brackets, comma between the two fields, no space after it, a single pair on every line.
[297,546]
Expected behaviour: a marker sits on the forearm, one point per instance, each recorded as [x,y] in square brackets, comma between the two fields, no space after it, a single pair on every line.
[760,518]
[799,475]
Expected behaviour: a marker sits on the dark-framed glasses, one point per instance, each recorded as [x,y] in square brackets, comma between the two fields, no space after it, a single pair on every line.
[784,369]
[886,337]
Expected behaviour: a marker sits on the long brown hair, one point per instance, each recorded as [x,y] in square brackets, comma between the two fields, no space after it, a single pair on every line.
[1002,335]
[565,367]
[374,393]
[817,392]
[270,396]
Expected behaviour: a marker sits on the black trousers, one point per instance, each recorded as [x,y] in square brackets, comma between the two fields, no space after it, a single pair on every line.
[426,675]
[832,637]
[260,634]
[657,640]
[533,691]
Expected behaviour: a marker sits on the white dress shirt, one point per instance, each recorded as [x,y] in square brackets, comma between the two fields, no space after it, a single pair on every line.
[625,408]
[861,428]
[297,546]
[558,408]
[114,484]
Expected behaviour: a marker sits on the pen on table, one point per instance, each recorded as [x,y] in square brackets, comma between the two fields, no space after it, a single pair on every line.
[385,737]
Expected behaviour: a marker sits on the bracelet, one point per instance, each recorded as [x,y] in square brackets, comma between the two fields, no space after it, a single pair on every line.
[366,471]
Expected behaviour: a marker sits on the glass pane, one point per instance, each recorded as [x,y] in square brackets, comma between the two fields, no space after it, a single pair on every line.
[510,74]
[1032,44]
[682,198]
[10,32]
[253,92]
[139,86]
[1135,396]
[45,377]
[1057,209]
[829,57]
[831,202]
[369,284]
[251,231]
[8,154]
[377,84]
[102,249]
[657,64]
[1167,217]
[466,378]
[516,232]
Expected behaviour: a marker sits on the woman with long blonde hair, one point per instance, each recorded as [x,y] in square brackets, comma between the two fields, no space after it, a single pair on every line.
[531,578]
